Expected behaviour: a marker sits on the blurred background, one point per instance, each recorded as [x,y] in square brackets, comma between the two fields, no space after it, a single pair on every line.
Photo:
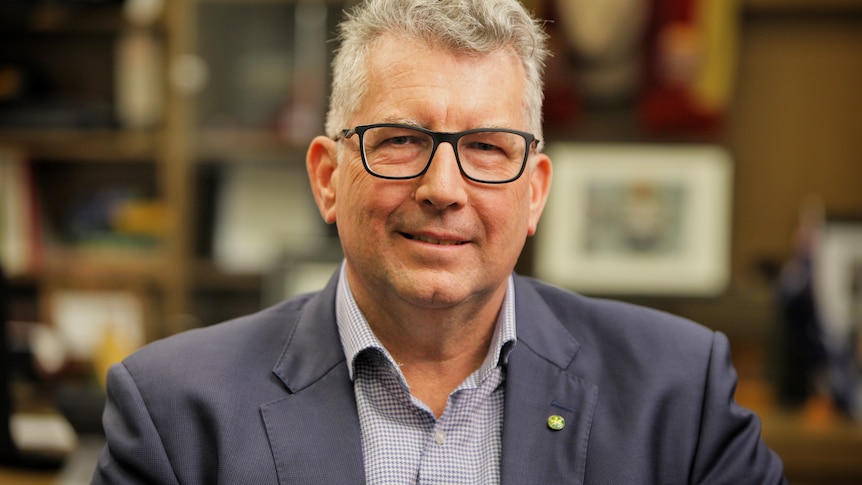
[152,180]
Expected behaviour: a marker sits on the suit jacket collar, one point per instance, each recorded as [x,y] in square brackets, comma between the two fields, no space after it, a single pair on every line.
[314,431]
[540,384]
[315,434]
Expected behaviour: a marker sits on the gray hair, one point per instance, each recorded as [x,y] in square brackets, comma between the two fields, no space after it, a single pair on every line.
[471,27]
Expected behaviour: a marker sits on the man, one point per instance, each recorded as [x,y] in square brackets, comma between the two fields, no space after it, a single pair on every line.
[425,360]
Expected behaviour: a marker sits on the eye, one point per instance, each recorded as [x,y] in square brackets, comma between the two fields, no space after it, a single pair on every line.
[401,140]
[492,144]
[391,138]
[484,147]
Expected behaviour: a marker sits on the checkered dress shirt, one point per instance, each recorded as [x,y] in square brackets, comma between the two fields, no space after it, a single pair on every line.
[402,441]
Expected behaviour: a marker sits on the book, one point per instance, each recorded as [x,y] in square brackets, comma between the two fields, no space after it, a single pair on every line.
[20,225]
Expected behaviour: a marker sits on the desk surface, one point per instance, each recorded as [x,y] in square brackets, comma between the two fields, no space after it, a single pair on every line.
[817,445]
[815,452]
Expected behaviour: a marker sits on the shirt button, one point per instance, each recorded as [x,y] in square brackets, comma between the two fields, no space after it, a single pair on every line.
[439,436]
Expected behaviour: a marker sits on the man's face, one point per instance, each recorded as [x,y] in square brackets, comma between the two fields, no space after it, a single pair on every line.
[438,240]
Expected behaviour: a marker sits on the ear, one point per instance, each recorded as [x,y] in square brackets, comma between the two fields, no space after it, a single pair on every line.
[540,185]
[322,164]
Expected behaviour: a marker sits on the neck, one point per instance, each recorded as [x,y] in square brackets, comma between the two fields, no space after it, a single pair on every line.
[436,348]
[435,363]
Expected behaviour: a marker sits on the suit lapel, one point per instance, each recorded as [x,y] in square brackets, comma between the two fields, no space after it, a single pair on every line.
[539,385]
[314,431]
[315,435]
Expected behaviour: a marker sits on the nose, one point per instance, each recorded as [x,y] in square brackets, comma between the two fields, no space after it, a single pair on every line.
[442,185]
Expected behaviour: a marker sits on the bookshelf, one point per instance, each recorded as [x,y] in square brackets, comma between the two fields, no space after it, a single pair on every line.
[235,76]
[65,114]
[250,99]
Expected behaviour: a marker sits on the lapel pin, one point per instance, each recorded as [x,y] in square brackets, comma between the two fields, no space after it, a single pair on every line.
[556,422]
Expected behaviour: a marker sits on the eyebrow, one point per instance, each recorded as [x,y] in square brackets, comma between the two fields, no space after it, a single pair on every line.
[403,121]
[413,122]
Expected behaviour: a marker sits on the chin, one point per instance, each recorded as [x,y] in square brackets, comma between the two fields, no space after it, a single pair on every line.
[438,292]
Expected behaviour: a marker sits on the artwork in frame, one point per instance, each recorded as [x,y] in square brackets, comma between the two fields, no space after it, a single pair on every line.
[637,219]
[837,274]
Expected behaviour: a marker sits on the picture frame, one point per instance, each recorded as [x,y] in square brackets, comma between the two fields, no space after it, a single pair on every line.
[637,219]
[837,275]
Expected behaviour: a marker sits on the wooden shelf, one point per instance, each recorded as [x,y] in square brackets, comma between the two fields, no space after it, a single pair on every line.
[103,264]
[247,146]
[88,263]
[83,145]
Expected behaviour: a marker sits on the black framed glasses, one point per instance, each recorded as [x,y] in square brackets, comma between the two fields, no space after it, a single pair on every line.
[398,152]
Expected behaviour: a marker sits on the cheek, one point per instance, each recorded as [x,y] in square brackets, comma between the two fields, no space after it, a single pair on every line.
[354,187]
[351,174]
[504,219]
[364,200]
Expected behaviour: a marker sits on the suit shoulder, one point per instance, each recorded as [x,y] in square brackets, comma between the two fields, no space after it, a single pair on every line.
[259,335]
[603,321]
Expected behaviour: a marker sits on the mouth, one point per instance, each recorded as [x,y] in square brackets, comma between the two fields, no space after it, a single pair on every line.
[432,240]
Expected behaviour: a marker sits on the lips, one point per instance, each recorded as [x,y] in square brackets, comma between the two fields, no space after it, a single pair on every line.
[434,240]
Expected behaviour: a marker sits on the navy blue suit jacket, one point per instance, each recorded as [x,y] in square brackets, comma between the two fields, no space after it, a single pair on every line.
[647,398]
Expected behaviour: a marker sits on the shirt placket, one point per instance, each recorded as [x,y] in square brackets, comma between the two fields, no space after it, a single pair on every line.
[458,440]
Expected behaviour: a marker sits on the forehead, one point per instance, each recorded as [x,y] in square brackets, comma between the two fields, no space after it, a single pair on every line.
[413,80]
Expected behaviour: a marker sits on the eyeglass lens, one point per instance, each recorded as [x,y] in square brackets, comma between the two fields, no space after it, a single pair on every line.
[402,152]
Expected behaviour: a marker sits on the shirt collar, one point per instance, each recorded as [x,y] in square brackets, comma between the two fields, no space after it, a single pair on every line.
[356,335]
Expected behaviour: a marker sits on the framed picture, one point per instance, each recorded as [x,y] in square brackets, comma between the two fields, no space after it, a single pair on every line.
[637,219]
[838,278]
